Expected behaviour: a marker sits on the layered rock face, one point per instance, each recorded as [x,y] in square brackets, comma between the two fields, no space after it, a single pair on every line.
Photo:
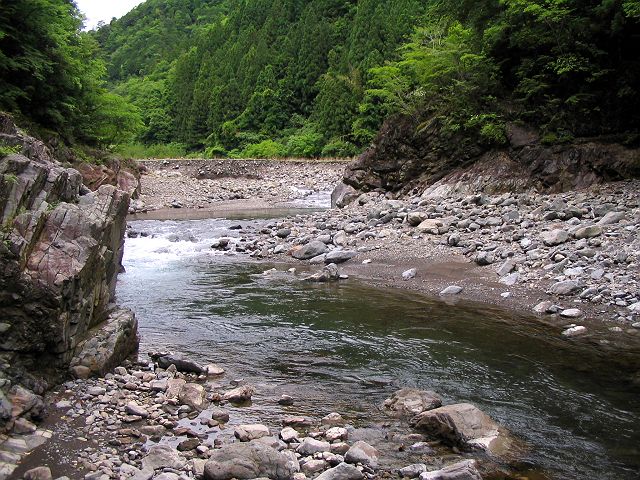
[403,158]
[61,248]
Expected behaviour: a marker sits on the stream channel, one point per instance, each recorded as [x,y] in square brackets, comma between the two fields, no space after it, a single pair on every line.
[346,346]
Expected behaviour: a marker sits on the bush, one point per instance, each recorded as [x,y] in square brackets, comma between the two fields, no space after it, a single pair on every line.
[306,143]
[215,151]
[265,149]
[340,148]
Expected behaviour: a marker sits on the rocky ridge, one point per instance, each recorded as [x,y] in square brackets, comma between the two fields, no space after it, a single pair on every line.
[60,254]
[405,157]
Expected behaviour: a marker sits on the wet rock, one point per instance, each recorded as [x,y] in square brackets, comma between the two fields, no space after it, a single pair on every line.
[362,452]
[327,274]
[240,394]
[310,250]
[213,370]
[465,426]
[285,400]
[246,433]
[571,313]
[162,456]
[409,402]
[182,364]
[220,415]
[343,471]
[188,444]
[573,331]
[248,461]
[464,470]
[193,395]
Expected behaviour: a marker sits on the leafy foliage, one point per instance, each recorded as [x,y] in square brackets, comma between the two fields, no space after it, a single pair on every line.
[50,73]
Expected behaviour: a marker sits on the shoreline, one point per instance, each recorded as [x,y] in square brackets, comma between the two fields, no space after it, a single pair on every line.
[392,235]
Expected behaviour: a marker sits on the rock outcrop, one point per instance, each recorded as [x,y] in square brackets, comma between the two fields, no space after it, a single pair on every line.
[61,248]
[403,157]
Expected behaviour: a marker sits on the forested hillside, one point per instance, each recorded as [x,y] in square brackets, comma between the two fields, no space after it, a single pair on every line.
[292,77]
[318,77]
[257,78]
[52,75]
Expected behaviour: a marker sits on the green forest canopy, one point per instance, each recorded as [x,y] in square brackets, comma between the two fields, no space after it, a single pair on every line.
[318,77]
[52,74]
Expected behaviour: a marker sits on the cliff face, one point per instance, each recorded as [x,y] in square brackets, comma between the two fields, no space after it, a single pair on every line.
[61,248]
[402,159]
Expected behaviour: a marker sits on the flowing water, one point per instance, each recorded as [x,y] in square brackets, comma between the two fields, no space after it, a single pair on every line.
[346,347]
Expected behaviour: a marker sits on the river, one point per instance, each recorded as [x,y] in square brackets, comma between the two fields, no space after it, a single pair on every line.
[346,347]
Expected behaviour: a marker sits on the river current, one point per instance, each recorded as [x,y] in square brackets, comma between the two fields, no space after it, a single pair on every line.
[346,347]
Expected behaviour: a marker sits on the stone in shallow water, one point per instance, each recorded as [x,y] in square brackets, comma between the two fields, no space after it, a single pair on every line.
[409,402]
[239,394]
[573,331]
[571,313]
[464,425]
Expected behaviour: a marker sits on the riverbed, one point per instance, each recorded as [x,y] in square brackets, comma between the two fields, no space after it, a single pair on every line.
[347,346]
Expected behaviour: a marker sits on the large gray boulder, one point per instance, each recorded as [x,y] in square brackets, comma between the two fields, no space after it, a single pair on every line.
[162,456]
[465,426]
[245,461]
[343,471]
[310,250]
[464,470]
[409,402]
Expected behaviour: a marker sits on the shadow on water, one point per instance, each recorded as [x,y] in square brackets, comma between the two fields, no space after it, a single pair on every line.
[345,347]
